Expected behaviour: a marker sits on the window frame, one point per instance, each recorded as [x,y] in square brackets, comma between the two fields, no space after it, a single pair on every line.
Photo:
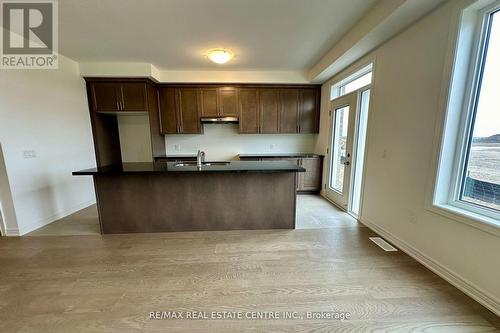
[464,64]
[337,89]
[468,116]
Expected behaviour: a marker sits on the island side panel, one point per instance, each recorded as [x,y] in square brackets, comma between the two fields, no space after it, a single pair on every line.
[124,203]
[196,201]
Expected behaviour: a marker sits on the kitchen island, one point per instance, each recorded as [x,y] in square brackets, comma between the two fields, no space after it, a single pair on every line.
[171,196]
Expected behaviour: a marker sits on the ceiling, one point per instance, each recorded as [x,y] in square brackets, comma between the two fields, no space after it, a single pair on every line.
[174,34]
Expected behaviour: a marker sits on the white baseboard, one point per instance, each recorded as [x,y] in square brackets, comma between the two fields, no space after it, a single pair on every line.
[43,222]
[469,288]
[12,232]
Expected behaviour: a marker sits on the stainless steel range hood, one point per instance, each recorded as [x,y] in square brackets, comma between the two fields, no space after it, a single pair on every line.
[219,120]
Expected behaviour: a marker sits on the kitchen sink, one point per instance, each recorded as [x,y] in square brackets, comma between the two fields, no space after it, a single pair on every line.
[191,164]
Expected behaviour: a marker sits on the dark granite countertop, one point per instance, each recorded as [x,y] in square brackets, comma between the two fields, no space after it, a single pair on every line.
[170,167]
[279,155]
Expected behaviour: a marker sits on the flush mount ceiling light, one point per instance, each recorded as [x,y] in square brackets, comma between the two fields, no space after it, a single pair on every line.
[220,56]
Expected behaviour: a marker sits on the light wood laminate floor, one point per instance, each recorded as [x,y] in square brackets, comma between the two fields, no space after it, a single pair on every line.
[94,283]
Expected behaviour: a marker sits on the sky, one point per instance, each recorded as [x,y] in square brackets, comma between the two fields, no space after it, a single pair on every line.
[488,112]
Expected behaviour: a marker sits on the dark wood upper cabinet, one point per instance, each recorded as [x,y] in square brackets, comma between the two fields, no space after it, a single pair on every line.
[228,101]
[119,96]
[269,110]
[133,96]
[189,110]
[261,108]
[157,139]
[105,96]
[168,111]
[289,110]
[109,97]
[308,111]
[179,110]
[249,110]
[209,102]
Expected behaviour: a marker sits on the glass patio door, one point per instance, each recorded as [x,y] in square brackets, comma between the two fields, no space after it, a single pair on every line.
[340,151]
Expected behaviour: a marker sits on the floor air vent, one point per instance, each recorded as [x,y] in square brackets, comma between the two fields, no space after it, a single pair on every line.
[383,244]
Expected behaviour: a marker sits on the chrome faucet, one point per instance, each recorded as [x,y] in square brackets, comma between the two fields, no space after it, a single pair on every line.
[200,159]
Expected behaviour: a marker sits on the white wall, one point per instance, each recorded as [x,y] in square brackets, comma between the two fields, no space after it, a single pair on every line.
[223,142]
[405,107]
[234,76]
[140,69]
[45,111]
[135,138]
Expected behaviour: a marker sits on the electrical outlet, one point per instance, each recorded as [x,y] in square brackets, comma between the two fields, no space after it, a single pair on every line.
[272,146]
[177,147]
[29,153]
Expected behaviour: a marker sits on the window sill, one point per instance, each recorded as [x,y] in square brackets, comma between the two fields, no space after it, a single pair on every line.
[472,219]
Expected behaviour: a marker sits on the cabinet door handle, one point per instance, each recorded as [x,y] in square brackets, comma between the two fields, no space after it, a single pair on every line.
[118,105]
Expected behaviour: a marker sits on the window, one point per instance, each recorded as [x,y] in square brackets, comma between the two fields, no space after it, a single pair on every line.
[480,183]
[468,177]
[359,79]
[339,144]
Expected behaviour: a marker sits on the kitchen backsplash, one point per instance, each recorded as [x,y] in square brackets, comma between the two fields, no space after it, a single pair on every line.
[223,142]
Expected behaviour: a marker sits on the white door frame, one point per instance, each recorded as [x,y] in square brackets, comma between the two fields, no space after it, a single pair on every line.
[356,132]
[341,199]
[334,104]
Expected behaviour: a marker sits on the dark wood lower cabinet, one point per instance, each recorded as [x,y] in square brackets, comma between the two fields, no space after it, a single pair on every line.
[306,182]
[311,179]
